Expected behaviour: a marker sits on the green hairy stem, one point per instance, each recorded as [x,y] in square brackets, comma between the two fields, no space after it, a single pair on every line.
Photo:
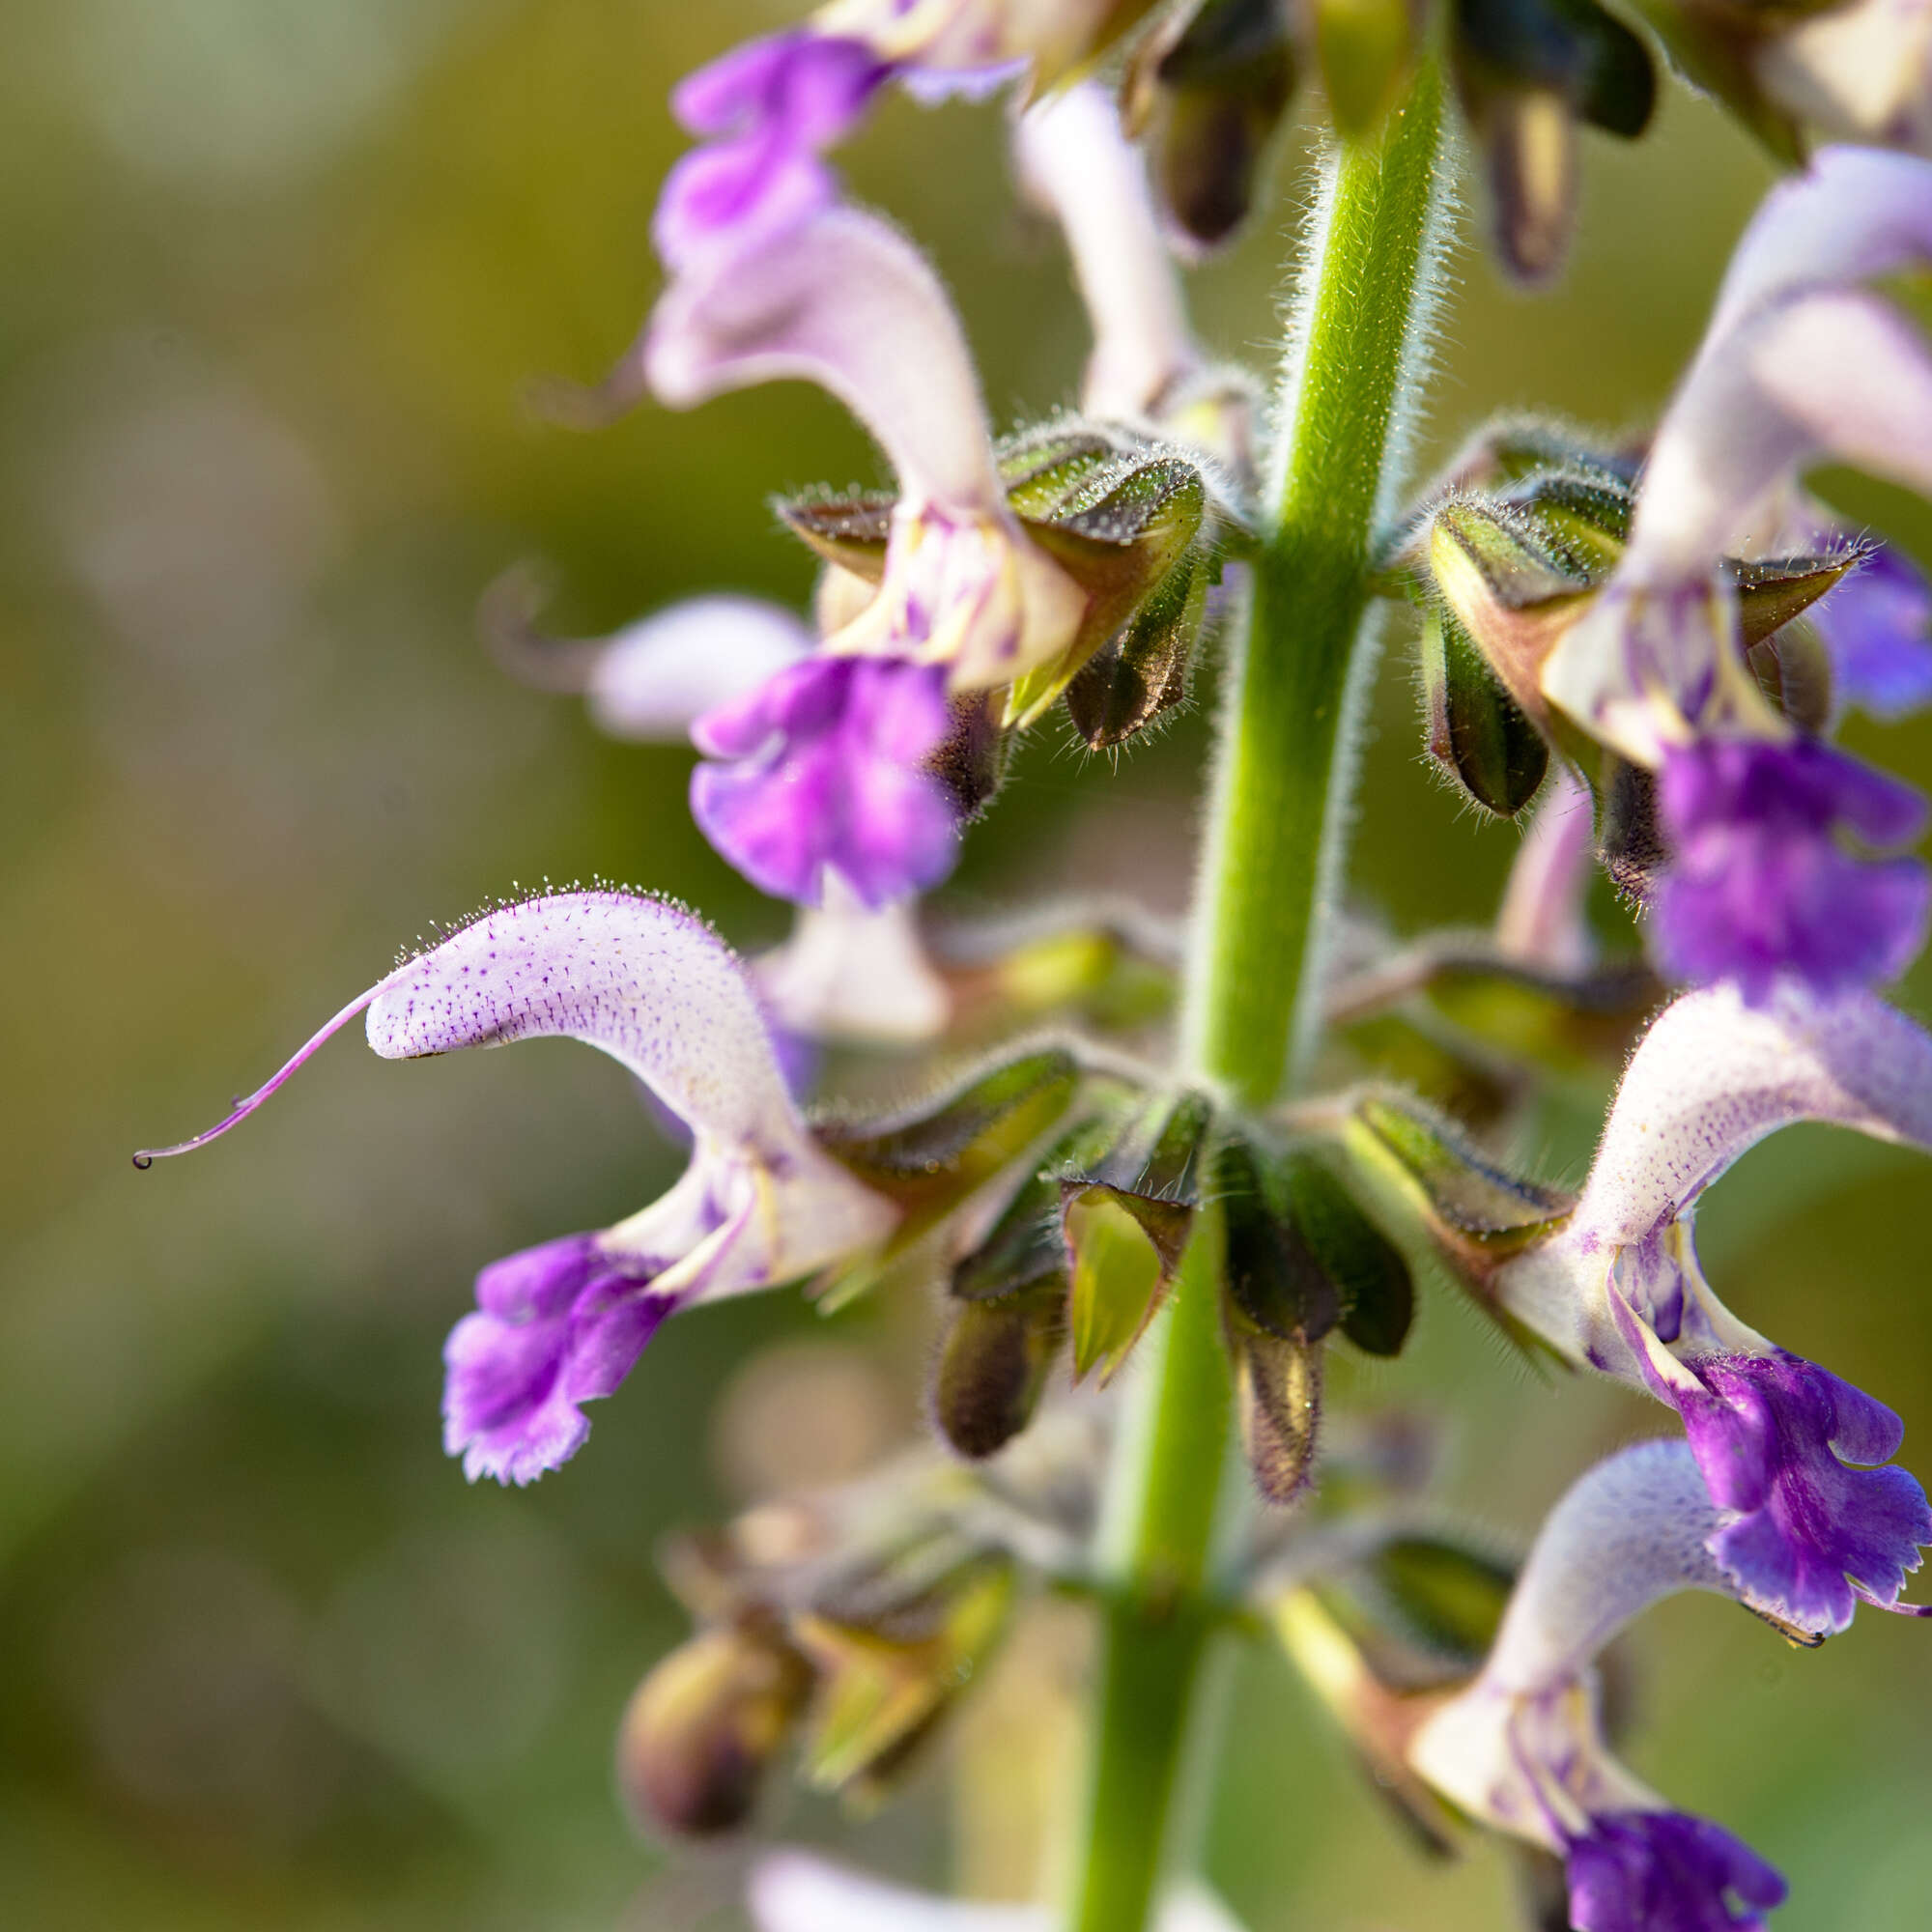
[1296,683]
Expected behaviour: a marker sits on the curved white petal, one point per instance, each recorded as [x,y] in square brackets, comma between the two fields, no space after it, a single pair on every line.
[798,1891]
[1714,1076]
[651,985]
[848,302]
[1075,162]
[850,973]
[654,677]
[1855,213]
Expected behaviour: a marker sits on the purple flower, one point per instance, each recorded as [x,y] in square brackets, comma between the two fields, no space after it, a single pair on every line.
[1877,625]
[1660,1871]
[1522,1749]
[1618,1287]
[770,109]
[760,1203]
[556,1326]
[1760,884]
[825,772]
[1775,1437]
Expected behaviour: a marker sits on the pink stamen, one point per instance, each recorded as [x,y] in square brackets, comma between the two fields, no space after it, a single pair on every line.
[148,1156]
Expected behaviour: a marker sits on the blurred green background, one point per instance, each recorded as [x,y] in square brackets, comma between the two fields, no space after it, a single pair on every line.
[277,272]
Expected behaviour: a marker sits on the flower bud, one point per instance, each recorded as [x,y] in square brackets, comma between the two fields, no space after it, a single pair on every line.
[1210,89]
[1278,1401]
[993,1365]
[1125,1218]
[1426,1176]
[1507,589]
[702,1728]
[1477,734]
[1528,71]
[884,1684]
[1130,683]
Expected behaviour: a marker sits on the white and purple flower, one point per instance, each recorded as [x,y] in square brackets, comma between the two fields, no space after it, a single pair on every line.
[1801,364]
[1813,1518]
[1522,1750]
[820,767]
[651,985]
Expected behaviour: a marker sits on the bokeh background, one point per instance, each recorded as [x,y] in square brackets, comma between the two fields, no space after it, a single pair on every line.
[276,275]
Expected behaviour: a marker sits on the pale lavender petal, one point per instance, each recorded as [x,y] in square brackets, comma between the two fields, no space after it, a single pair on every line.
[1661,1871]
[826,772]
[1075,162]
[640,978]
[1713,1076]
[1629,1532]
[845,302]
[850,972]
[1877,625]
[1855,213]
[1760,886]
[1805,1533]
[657,677]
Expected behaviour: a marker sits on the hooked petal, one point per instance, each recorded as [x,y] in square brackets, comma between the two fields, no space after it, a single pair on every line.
[1075,162]
[637,977]
[845,302]
[655,679]
[1714,1076]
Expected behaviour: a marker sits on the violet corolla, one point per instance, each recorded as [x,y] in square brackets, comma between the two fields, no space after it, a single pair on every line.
[1808,1522]
[1801,364]
[760,1204]
[1522,1749]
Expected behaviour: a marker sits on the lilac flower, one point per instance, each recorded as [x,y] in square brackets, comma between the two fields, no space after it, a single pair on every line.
[1877,625]
[1145,366]
[1807,1525]
[770,109]
[798,1891]
[759,1204]
[1800,364]
[1523,1749]
[1761,884]
[823,761]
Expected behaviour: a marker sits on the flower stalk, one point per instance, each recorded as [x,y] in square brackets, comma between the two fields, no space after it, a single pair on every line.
[1296,681]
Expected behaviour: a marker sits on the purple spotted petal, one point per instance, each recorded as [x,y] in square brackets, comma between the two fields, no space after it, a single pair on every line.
[556,1326]
[770,108]
[1775,1438]
[824,770]
[1761,884]
[1660,1871]
[1877,625]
